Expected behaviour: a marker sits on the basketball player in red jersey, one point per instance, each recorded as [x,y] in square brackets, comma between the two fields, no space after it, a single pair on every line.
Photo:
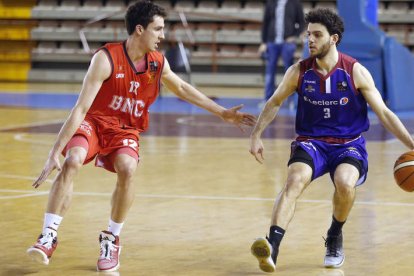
[122,81]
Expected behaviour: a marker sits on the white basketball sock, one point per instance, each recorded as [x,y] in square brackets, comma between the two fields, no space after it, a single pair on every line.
[51,221]
[115,228]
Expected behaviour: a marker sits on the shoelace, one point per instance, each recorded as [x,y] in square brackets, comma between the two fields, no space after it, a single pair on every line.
[46,240]
[107,249]
[331,244]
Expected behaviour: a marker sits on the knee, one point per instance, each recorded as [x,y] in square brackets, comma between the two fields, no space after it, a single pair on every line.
[295,185]
[126,170]
[344,186]
[72,163]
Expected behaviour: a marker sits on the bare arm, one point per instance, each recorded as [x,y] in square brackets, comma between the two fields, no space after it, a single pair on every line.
[99,70]
[364,82]
[190,94]
[286,88]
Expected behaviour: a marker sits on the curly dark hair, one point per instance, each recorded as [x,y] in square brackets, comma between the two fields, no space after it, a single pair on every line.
[142,13]
[332,21]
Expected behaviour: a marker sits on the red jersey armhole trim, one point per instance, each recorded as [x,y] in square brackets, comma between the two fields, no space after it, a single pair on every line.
[161,71]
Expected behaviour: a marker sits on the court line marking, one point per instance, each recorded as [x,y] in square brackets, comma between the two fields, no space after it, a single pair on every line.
[15,176]
[193,121]
[194,197]
[28,193]
[21,137]
[37,124]
[159,149]
[184,120]
[22,196]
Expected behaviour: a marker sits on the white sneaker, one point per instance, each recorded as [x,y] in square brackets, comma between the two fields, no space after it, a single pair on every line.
[265,254]
[43,249]
[109,254]
[334,256]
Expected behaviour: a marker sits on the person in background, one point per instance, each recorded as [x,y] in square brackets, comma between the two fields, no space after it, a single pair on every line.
[283,23]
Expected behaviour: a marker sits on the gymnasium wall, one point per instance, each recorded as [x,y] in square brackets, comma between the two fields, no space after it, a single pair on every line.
[390,63]
[15,40]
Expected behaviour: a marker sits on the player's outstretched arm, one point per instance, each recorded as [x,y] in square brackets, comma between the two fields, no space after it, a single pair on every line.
[365,83]
[99,70]
[287,87]
[190,94]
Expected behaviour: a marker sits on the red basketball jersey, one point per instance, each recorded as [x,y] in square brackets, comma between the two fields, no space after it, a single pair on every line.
[127,94]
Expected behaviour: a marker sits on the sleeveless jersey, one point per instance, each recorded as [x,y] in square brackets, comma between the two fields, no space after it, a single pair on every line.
[330,105]
[124,98]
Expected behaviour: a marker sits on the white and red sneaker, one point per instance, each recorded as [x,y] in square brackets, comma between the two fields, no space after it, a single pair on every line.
[43,249]
[110,250]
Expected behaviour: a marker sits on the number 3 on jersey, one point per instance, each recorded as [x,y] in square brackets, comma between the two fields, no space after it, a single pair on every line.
[130,143]
[327,112]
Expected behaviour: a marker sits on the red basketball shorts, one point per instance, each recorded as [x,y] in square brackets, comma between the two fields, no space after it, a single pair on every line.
[104,138]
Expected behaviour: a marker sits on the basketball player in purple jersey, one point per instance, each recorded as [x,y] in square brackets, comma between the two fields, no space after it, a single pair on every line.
[334,90]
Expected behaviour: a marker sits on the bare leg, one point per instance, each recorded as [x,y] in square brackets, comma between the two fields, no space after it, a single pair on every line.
[58,203]
[266,250]
[60,195]
[124,193]
[299,177]
[345,178]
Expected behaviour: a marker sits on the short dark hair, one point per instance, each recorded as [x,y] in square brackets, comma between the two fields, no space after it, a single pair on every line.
[142,13]
[331,20]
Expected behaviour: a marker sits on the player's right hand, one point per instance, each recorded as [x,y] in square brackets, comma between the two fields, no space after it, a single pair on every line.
[51,164]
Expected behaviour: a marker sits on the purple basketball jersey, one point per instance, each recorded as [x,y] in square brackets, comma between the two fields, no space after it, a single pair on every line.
[330,105]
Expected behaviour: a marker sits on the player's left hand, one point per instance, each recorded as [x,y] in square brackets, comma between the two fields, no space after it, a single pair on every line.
[234,116]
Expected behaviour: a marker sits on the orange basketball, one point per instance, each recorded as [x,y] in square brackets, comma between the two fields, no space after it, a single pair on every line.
[404,171]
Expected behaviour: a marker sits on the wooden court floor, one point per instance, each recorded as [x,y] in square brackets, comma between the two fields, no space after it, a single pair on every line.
[200,202]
